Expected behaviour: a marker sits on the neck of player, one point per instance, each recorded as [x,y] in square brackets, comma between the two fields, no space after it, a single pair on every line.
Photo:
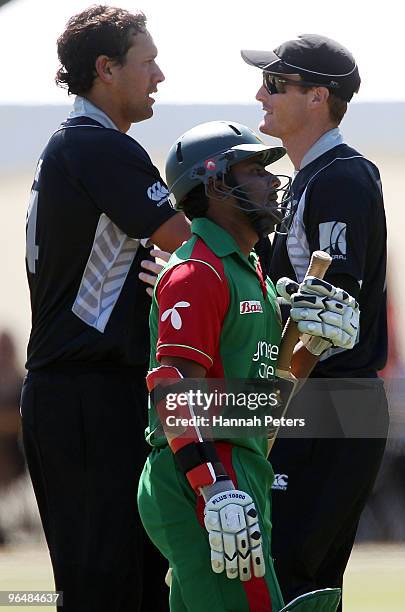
[299,142]
[235,222]
[107,105]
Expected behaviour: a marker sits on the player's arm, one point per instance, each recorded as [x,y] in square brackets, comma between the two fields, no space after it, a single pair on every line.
[230,515]
[122,182]
[187,343]
[172,233]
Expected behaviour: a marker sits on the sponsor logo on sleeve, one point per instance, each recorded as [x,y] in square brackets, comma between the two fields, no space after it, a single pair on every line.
[332,239]
[248,306]
[158,193]
[175,318]
[280,482]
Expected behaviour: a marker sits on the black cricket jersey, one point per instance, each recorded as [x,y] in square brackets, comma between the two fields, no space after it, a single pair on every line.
[95,200]
[340,210]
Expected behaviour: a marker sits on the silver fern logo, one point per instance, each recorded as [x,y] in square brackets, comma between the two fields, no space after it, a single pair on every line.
[332,239]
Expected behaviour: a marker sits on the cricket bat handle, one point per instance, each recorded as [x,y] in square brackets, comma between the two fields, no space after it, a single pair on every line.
[320,262]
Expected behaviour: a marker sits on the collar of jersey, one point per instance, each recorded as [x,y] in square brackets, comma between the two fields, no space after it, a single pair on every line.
[325,143]
[219,240]
[84,108]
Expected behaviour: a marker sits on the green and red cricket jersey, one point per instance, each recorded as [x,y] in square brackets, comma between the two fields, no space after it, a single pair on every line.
[211,305]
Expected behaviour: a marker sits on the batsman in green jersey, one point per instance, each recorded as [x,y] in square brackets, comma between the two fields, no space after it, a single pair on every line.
[214,316]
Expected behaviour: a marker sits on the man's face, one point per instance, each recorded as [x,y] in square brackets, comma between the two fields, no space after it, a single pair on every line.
[257,183]
[137,79]
[285,113]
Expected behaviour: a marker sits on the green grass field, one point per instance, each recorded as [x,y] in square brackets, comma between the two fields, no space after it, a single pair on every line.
[375,579]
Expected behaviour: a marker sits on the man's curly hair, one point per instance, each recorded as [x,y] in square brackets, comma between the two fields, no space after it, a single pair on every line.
[99,30]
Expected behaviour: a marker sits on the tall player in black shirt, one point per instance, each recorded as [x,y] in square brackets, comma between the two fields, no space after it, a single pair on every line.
[96,204]
[322,485]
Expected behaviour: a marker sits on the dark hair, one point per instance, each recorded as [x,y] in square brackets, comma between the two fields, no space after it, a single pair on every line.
[337,108]
[99,30]
[195,204]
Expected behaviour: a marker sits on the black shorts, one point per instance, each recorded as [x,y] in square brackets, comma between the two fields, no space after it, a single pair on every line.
[84,441]
[320,489]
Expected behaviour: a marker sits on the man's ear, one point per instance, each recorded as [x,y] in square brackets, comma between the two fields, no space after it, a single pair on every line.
[103,68]
[318,96]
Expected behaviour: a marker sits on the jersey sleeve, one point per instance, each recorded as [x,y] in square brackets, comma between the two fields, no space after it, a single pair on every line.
[337,220]
[193,299]
[121,180]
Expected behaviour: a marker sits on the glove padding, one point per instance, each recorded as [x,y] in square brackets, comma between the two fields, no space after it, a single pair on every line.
[231,520]
[322,310]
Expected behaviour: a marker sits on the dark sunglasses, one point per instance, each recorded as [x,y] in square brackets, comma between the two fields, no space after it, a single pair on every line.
[277,85]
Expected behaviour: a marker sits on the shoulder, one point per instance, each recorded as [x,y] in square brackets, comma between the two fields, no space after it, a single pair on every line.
[88,137]
[194,262]
[194,277]
[347,176]
[343,164]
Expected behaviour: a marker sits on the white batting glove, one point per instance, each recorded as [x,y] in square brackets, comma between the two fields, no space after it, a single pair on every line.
[231,520]
[326,315]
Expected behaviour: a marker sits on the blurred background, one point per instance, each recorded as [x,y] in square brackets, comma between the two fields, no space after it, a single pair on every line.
[199,48]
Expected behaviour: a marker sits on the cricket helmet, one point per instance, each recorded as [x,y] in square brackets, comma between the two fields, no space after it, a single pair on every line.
[207,153]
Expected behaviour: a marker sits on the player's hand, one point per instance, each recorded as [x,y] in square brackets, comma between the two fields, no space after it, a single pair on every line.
[153,268]
[231,520]
[322,310]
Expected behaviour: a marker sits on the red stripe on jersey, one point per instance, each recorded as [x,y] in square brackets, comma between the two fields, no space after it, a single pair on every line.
[258,595]
[256,589]
[262,281]
[193,301]
[201,251]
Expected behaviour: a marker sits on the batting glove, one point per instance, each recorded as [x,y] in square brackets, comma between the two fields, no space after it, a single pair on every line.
[326,315]
[231,520]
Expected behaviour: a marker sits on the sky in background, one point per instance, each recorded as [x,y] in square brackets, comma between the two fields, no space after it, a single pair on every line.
[199,44]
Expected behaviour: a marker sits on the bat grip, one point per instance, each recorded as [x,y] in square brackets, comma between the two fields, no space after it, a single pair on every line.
[320,262]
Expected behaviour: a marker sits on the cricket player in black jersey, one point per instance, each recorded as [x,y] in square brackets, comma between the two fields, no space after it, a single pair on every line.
[97,201]
[322,485]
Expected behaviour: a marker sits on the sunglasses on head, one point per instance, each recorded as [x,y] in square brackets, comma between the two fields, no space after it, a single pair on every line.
[277,85]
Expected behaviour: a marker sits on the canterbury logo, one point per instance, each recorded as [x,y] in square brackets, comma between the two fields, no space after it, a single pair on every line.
[280,482]
[175,318]
[250,306]
[158,193]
